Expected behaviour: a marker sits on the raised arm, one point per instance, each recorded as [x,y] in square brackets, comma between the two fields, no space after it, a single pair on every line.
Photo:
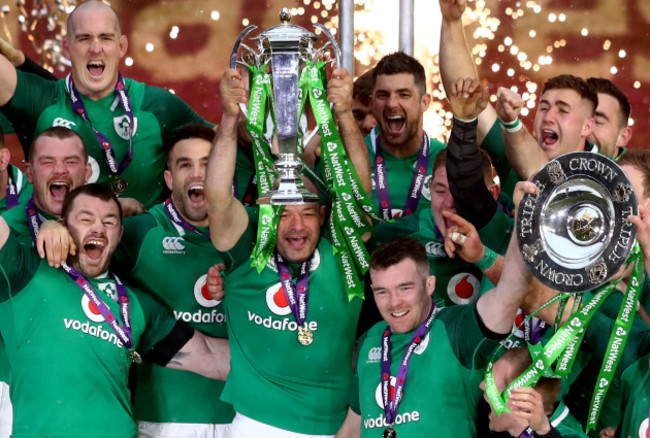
[339,92]
[455,58]
[498,307]
[8,80]
[465,174]
[227,216]
[524,154]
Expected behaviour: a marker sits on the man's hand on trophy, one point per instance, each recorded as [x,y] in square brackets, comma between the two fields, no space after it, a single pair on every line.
[467,97]
[508,104]
[339,91]
[642,222]
[232,91]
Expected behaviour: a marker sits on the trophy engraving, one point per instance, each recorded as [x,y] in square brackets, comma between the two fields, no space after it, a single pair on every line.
[285,48]
[555,172]
[574,234]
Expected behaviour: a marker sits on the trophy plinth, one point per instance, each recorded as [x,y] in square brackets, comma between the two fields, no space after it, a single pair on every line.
[574,234]
[285,47]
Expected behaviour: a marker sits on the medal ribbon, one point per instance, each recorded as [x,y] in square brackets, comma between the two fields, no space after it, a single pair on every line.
[349,199]
[105,145]
[255,122]
[528,433]
[175,216]
[415,191]
[12,190]
[122,331]
[33,219]
[296,294]
[391,406]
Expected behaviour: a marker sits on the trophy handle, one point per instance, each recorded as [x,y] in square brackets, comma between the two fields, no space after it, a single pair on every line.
[335,45]
[235,52]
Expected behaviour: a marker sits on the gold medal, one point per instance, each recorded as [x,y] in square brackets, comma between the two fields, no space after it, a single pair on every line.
[119,186]
[305,336]
[135,357]
[390,432]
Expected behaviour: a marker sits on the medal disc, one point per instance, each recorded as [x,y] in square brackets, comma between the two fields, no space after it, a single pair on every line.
[119,186]
[390,432]
[305,336]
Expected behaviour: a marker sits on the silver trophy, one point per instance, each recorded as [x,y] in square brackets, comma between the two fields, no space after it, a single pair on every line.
[574,234]
[286,47]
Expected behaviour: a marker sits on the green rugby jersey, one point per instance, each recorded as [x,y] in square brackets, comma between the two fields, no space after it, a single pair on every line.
[69,370]
[39,104]
[273,378]
[171,264]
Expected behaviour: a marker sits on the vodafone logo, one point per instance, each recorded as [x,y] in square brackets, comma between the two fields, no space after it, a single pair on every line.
[91,311]
[463,288]
[201,293]
[276,300]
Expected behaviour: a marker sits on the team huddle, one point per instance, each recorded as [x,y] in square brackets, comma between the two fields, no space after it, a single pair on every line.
[129,305]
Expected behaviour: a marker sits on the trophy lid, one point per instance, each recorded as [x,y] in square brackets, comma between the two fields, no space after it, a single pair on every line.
[574,234]
[286,32]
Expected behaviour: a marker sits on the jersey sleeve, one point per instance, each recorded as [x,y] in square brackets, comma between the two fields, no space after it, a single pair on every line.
[468,342]
[18,264]
[159,321]
[170,110]
[135,230]
[494,145]
[33,94]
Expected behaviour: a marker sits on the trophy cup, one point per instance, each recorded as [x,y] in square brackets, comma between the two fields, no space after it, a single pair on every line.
[574,234]
[286,47]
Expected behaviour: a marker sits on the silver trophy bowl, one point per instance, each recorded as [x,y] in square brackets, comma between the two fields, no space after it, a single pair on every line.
[574,234]
[285,47]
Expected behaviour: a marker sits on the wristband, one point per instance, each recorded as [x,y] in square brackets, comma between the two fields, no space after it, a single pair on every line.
[514,126]
[488,260]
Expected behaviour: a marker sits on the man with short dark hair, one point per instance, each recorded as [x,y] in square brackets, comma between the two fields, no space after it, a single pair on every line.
[401,153]
[611,132]
[419,369]
[362,103]
[122,122]
[87,328]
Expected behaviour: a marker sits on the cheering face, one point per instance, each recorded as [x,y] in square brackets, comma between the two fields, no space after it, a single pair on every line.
[402,294]
[398,107]
[56,167]
[187,163]
[96,229]
[299,231]
[363,116]
[563,122]
[609,128]
[441,199]
[96,47]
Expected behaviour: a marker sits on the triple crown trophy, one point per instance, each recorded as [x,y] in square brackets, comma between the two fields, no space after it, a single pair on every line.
[286,48]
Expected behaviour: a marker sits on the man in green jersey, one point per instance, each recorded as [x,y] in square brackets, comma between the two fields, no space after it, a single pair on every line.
[83,322]
[283,384]
[14,187]
[123,122]
[167,252]
[530,408]
[419,369]
[401,153]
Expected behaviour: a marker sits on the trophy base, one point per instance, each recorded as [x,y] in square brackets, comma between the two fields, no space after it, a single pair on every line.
[288,198]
